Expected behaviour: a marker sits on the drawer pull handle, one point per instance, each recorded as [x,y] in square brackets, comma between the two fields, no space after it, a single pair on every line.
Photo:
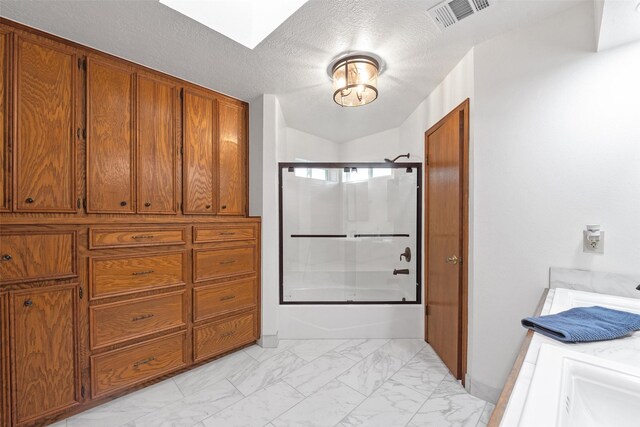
[123,203]
[28,303]
[144,361]
[227,233]
[147,204]
[224,206]
[208,207]
[142,317]
[227,298]
[227,334]
[29,200]
[143,236]
[6,257]
[139,273]
[231,261]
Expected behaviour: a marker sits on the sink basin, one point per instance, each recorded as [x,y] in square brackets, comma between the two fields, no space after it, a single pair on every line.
[564,299]
[571,389]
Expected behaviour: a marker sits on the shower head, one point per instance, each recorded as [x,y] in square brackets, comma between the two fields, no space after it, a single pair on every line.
[394,160]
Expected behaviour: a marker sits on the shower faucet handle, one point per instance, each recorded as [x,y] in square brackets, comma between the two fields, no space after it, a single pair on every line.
[401,271]
[406,254]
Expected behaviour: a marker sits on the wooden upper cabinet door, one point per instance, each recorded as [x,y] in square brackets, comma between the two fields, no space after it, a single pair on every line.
[110,137]
[199,153]
[45,144]
[232,160]
[44,330]
[156,146]
[5,179]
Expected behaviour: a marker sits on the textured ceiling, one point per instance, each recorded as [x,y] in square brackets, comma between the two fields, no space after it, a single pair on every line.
[292,61]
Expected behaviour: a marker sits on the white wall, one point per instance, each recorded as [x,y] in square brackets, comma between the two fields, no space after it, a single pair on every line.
[557,146]
[304,146]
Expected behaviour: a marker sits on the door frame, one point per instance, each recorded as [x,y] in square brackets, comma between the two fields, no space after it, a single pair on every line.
[463,333]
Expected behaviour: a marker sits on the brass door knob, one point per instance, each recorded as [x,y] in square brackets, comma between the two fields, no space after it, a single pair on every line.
[452,259]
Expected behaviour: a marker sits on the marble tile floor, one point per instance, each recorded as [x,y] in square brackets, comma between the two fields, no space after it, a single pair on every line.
[361,382]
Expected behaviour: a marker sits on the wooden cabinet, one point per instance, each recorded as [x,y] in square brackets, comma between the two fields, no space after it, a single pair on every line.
[44,352]
[45,119]
[157,149]
[4,359]
[232,158]
[200,152]
[110,137]
[5,76]
[217,337]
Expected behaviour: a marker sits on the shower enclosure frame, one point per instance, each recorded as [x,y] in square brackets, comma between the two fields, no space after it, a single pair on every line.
[342,165]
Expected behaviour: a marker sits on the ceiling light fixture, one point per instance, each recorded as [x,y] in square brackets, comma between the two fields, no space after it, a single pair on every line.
[355,80]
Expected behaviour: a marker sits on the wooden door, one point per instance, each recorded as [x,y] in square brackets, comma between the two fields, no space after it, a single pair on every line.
[4,360]
[110,137]
[200,152]
[445,324]
[5,75]
[44,352]
[45,143]
[232,159]
[156,120]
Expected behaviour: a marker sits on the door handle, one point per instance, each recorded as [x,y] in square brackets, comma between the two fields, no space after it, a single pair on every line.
[406,254]
[453,260]
[401,271]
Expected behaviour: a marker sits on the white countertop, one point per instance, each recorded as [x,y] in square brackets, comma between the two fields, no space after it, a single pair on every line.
[624,350]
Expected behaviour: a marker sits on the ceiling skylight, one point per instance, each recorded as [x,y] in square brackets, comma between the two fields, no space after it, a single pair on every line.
[247,22]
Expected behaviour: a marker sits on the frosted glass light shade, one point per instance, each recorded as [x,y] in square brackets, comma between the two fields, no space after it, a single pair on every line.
[355,81]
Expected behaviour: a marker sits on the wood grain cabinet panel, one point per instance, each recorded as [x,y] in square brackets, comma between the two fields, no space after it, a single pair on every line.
[221,233]
[131,365]
[215,338]
[157,150]
[122,275]
[110,137]
[44,352]
[4,359]
[37,256]
[200,152]
[223,298]
[45,144]
[121,321]
[219,263]
[133,237]
[232,159]
[5,76]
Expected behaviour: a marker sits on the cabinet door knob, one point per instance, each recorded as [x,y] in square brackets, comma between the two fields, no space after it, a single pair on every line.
[147,204]
[208,206]
[123,203]
[6,257]
[28,303]
[29,200]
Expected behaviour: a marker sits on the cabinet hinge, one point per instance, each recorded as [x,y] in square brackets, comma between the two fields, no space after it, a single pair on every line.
[82,64]
[181,94]
[82,133]
[426,310]
[180,205]
[82,391]
[181,149]
[81,292]
[426,160]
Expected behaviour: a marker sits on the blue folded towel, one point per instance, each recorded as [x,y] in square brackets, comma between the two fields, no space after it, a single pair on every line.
[585,324]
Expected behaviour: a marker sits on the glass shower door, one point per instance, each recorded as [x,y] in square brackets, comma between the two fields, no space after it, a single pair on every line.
[350,233]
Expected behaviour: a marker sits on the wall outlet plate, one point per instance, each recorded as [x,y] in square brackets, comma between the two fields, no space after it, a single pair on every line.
[589,247]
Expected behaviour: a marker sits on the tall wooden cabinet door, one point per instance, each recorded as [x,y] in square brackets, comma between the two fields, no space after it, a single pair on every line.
[232,160]
[5,75]
[156,146]
[45,143]
[110,137]
[44,352]
[4,360]
[199,180]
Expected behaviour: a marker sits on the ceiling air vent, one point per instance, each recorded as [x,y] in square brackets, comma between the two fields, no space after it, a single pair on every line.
[449,12]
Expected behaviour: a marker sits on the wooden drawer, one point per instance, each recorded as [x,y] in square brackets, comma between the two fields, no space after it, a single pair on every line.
[121,275]
[122,368]
[222,298]
[223,233]
[117,322]
[218,263]
[37,256]
[218,337]
[100,238]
